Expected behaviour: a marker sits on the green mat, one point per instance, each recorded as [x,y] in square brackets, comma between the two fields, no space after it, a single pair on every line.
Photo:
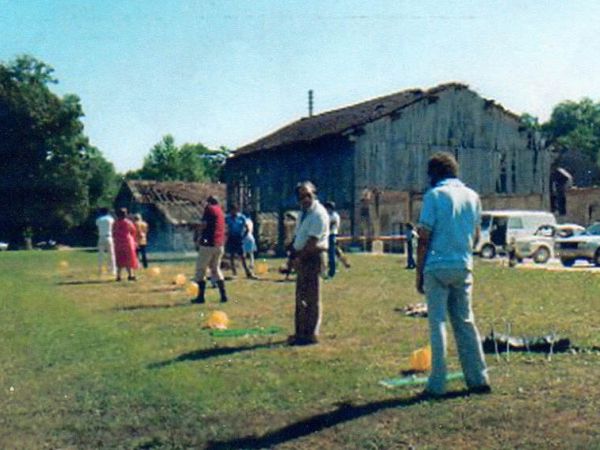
[260,331]
[413,379]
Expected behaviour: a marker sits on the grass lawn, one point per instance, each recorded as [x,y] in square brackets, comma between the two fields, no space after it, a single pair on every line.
[91,363]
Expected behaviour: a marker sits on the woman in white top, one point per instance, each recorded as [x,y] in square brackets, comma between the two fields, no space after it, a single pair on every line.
[249,243]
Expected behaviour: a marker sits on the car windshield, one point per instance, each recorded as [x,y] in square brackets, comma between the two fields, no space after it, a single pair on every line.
[545,230]
[593,229]
[486,219]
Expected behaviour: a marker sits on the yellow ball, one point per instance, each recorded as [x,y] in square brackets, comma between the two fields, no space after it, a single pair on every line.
[63,264]
[218,320]
[192,289]
[179,279]
[261,268]
[420,360]
[154,271]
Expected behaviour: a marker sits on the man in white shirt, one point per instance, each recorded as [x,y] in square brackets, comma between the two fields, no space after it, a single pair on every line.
[310,244]
[104,222]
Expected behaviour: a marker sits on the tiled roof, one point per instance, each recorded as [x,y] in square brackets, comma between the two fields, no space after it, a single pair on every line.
[340,120]
[180,202]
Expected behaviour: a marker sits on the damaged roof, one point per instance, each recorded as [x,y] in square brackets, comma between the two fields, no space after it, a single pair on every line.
[344,119]
[180,202]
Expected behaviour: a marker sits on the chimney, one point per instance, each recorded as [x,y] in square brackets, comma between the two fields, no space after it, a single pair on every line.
[310,103]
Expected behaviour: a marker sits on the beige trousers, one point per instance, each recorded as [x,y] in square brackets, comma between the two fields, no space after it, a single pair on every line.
[209,257]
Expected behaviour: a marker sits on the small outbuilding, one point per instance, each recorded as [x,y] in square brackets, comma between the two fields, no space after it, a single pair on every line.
[169,208]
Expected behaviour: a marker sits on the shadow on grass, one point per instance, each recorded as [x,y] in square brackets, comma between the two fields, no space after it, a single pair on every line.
[78,282]
[165,289]
[274,280]
[173,259]
[197,355]
[344,413]
[151,306]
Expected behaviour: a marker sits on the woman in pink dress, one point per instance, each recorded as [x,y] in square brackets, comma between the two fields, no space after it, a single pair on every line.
[125,247]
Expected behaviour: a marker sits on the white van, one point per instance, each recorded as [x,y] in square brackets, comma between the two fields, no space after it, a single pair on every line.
[499,228]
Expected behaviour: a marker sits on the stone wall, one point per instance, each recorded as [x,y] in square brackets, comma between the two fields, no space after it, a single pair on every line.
[583,206]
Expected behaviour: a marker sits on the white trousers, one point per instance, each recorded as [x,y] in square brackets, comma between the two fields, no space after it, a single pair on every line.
[106,246]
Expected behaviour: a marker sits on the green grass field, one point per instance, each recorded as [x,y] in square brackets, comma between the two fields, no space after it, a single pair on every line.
[89,363]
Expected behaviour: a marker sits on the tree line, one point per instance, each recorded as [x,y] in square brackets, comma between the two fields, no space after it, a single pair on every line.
[52,179]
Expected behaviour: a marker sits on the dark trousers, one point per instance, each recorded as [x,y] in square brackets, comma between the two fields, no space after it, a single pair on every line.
[142,252]
[308,296]
[410,258]
[331,255]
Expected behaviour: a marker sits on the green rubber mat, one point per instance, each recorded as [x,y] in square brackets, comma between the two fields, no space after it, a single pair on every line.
[413,379]
[260,331]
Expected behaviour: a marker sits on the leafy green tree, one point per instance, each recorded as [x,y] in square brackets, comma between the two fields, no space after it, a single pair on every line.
[190,162]
[575,126]
[45,159]
[530,122]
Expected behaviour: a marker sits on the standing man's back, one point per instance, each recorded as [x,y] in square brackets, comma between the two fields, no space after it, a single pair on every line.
[448,231]
[455,220]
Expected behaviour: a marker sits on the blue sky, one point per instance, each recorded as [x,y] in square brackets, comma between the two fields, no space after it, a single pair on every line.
[227,72]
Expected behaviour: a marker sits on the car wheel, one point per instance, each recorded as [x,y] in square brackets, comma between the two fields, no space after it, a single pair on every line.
[597,258]
[541,255]
[488,251]
[567,262]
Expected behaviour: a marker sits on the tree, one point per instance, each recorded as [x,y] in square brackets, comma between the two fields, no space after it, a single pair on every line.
[575,127]
[190,162]
[45,159]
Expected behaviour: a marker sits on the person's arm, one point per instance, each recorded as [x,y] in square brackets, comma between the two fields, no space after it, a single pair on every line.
[133,231]
[246,229]
[422,246]
[309,249]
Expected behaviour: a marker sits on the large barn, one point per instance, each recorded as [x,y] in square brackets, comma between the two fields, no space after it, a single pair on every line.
[169,207]
[370,158]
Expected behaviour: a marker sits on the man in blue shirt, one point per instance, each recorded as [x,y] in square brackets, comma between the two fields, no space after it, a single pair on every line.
[236,230]
[448,231]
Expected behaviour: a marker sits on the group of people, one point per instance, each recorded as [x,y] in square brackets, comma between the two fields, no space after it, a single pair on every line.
[216,236]
[448,229]
[120,241]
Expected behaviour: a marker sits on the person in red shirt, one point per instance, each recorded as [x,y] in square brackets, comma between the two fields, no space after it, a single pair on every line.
[210,238]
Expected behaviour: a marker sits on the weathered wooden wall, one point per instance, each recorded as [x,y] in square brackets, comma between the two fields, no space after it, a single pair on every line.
[264,182]
[496,154]
[533,202]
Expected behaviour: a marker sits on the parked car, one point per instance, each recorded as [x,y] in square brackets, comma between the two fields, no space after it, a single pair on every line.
[584,246]
[3,246]
[540,246]
[498,228]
